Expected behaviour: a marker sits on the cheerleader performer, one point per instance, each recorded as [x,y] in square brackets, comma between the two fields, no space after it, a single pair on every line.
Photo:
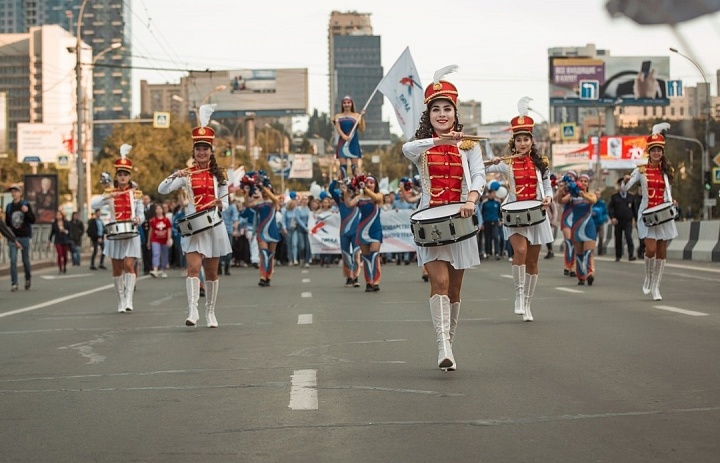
[452,171]
[349,219]
[126,204]
[207,188]
[584,232]
[566,222]
[528,179]
[369,230]
[347,124]
[656,180]
[262,200]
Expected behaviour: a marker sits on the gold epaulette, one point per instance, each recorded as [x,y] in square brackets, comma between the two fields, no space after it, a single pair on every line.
[545,160]
[223,174]
[467,144]
[108,190]
[641,169]
[508,160]
[138,194]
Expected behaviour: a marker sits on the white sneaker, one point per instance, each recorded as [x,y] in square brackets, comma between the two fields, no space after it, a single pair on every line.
[163,275]
[154,273]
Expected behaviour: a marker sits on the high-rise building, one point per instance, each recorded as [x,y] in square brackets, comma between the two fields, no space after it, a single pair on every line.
[39,78]
[103,23]
[355,69]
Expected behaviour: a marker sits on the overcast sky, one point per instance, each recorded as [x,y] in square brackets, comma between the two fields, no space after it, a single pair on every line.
[501,47]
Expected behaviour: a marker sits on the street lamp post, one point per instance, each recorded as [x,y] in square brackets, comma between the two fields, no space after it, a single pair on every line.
[81,200]
[706,154]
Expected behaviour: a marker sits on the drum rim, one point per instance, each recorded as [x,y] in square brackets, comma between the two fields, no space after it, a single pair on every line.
[435,219]
[432,244]
[536,206]
[654,209]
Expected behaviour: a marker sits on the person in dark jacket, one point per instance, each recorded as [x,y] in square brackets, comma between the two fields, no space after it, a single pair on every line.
[77,228]
[19,217]
[96,232]
[60,231]
[622,211]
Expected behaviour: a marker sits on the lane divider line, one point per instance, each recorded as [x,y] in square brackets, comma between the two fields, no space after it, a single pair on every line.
[306,294]
[692,313]
[303,393]
[305,319]
[570,290]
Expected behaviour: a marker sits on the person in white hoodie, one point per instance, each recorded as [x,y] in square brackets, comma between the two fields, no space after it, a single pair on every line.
[452,171]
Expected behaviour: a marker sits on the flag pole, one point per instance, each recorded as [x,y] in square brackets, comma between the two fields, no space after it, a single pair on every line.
[367,103]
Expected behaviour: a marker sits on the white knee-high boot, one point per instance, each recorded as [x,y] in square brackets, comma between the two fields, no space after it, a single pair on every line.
[454,314]
[519,281]
[192,285]
[530,283]
[130,279]
[649,267]
[656,278]
[120,288]
[440,312]
[211,292]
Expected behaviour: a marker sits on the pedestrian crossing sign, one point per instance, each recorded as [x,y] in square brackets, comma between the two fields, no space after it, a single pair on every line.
[161,120]
[568,130]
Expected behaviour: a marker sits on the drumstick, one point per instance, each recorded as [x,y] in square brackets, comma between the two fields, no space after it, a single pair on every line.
[190,171]
[212,202]
[490,162]
[466,137]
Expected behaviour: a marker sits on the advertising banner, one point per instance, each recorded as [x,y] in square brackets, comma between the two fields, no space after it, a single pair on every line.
[301,166]
[43,142]
[325,232]
[609,81]
[616,152]
[41,191]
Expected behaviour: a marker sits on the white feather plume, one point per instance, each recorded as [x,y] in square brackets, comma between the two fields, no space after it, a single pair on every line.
[660,128]
[442,72]
[524,105]
[205,112]
[125,150]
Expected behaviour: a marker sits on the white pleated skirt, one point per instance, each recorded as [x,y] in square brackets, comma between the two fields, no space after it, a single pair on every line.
[213,242]
[120,249]
[461,255]
[663,232]
[540,233]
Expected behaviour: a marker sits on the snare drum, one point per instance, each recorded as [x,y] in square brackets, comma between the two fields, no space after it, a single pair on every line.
[121,230]
[661,213]
[440,225]
[522,213]
[200,221]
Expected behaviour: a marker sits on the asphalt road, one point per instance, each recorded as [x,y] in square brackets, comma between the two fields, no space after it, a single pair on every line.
[310,371]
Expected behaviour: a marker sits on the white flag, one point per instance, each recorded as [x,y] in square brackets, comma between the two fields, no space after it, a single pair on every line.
[401,85]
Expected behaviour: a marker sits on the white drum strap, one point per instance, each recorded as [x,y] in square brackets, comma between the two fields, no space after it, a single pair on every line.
[667,187]
[466,172]
[131,192]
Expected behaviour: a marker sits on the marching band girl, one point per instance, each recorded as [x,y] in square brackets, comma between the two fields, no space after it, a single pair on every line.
[452,171]
[528,180]
[126,204]
[656,181]
[207,189]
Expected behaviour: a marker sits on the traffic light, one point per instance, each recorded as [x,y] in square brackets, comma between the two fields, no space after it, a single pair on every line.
[707,180]
[228,150]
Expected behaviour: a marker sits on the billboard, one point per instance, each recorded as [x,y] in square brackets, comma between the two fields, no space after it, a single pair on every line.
[609,81]
[616,152]
[43,142]
[265,92]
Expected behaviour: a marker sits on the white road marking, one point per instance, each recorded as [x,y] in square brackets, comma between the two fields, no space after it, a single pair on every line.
[682,311]
[306,280]
[56,301]
[305,319]
[303,394]
[64,277]
[307,294]
[506,276]
[569,290]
